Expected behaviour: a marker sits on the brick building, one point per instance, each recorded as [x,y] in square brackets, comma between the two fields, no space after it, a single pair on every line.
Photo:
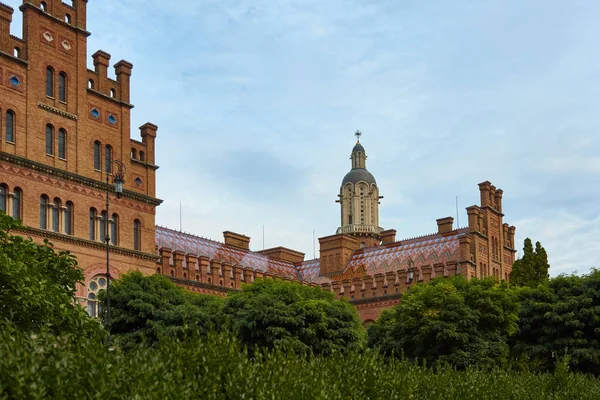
[65,130]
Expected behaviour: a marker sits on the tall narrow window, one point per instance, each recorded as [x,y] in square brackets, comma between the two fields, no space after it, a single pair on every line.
[3,197]
[49,82]
[10,126]
[107,158]
[92,224]
[97,148]
[62,144]
[103,226]
[137,235]
[49,139]
[44,212]
[69,218]
[16,205]
[56,215]
[62,87]
[114,230]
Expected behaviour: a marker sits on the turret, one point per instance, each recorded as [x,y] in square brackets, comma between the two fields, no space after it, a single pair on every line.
[359,200]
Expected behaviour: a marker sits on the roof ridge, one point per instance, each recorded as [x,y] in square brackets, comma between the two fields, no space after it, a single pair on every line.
[192,235]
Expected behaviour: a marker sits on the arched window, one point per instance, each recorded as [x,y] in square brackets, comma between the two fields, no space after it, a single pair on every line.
[44,211]
[3,197]
[49,139]
[62,144]
[49,82]
[137,235]
[107,158]
[10,126]
[90,84]
[69,218]
[93,213]
[17,203]
[17,52]
[103,231]
[67,18]
[114,230]
[97,147]
[62,87]
[56,215]
[133,154]
[113,93]
[97,284]
[142,156]
[43,6]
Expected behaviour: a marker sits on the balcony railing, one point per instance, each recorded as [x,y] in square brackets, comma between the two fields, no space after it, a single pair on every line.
[360,229]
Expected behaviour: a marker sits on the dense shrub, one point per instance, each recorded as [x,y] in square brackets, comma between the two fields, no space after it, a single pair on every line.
[561,318]
[37,286]
[272,313]
[464,323]
[145,308]
[218,367]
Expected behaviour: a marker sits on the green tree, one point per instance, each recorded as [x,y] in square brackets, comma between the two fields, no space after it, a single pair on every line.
[147,308]
[37,286]
[532,268]
[272,313]
[450,320]
[561,318]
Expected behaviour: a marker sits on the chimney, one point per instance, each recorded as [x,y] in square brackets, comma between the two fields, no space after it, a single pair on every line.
[101,62]
[80,13]
[388,236]
[123,73]
[335,251]
[236,240]
[6,13]
[148,134]
[485,191]
[445,224]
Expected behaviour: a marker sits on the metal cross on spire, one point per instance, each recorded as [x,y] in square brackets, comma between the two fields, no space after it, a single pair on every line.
[357,134]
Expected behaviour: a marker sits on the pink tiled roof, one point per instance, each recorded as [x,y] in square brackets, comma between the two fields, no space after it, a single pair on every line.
[424,250]
[215,250]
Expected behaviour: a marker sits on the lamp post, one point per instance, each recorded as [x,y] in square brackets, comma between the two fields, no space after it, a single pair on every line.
[118,180]
[411,269]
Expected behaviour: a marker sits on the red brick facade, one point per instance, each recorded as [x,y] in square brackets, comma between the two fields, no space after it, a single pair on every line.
[62,126]
[67,121]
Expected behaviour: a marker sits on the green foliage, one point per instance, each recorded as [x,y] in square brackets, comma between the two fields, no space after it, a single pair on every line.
[146,308]
[271,313]
[532,268]
[37,286]
[561,318]
[219,367]
[463,323]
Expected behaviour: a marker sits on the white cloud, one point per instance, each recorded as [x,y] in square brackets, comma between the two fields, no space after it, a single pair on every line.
[448,94]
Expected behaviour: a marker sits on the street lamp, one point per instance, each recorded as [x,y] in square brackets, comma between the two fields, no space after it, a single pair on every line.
[411,268]
[118,180]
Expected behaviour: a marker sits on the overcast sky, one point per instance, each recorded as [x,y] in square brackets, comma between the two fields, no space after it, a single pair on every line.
[257,102]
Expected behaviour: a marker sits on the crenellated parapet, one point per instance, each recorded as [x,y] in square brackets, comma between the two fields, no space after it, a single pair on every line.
[389,285]
[194,272]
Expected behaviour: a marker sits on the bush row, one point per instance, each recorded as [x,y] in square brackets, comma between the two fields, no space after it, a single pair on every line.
[217,366]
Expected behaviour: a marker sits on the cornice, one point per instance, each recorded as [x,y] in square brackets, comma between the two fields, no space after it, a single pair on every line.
[107,97]
[145,164]
[57,111]
[59,173]
[13,58]
[84,242]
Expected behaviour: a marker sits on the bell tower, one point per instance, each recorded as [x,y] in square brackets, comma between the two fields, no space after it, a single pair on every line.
[359,200]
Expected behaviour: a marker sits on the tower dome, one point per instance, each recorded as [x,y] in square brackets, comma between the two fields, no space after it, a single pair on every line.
[359,199]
